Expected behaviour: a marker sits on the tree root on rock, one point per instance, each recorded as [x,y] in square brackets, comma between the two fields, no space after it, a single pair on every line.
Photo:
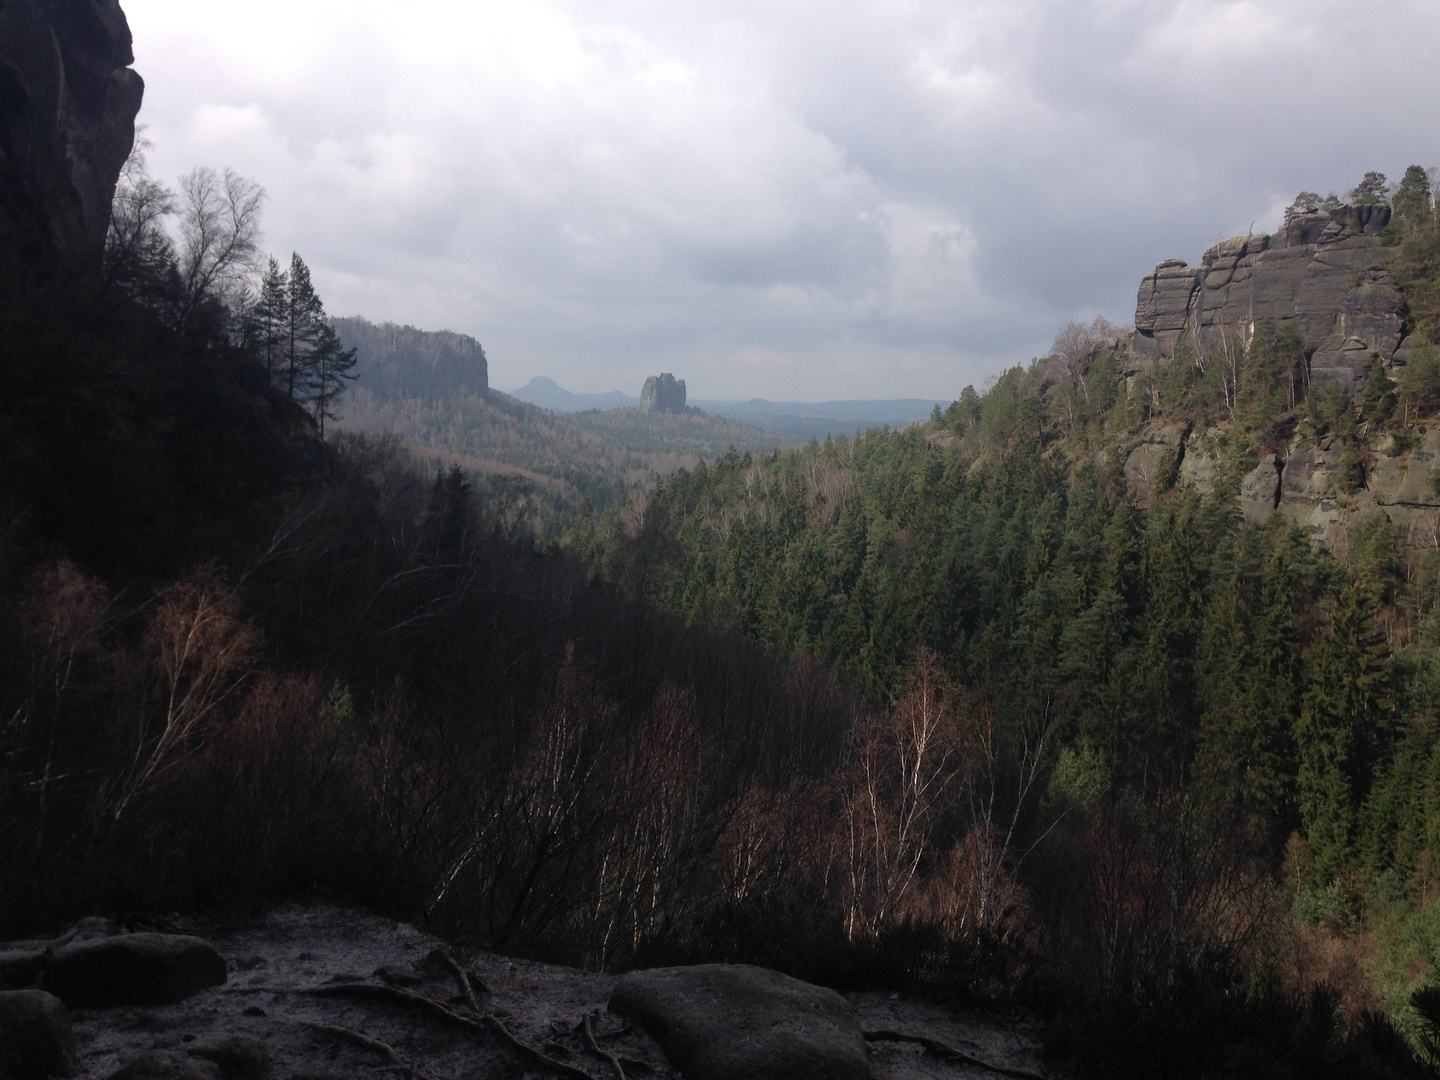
[369,1042]
[948,1053]
[467,980]
[487,1022]
[596,1049]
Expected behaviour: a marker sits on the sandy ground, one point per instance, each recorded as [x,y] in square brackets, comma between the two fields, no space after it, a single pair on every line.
[543,1006]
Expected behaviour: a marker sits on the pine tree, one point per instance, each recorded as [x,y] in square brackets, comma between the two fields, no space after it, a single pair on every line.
[450,520]
[330,363]
[1371,191]
[1413,203]
[304,315]
[268,318]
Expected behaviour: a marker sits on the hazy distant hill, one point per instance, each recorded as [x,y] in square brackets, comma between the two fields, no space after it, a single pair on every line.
[548,394]
[541,465]
[430,390]
[793,419]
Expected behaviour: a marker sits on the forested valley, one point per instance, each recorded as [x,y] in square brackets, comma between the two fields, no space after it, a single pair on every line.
[1184,761]
[945,711]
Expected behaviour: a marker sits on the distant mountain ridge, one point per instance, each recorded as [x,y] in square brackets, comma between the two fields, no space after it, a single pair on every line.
[548,394]
[794,419]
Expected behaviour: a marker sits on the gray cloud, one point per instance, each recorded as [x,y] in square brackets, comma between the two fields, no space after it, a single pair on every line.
[799,200]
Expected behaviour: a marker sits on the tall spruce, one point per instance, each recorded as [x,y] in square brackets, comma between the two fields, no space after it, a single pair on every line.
[268,323]
[304,315]
[1340,728]
[330,364]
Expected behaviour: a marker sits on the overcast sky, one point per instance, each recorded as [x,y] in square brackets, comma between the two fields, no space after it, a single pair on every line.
[805,200]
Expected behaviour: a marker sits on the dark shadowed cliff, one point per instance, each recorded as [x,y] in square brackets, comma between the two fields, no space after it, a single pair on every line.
[124,440]
[68,100]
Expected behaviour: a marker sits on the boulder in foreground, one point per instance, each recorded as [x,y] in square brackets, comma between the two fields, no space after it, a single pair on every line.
[736,1022]
[134,969]
[35,1036]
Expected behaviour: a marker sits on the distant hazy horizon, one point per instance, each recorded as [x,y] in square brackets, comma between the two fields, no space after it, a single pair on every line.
[635,398]
[792,419]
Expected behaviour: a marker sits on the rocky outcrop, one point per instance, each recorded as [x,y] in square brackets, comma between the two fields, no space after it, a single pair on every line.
[1152,466]
[736,1022]
[296,1006]
[68,100]
[35,1036]
[20,965]
[97,964]
[1309,492]
[1401,480]
[1326,270]
[401,361]
[1200,464]
[1260,490]
[663,393]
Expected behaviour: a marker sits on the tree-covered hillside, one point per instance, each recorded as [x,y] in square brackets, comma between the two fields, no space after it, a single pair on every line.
[1211,734]
[539,469]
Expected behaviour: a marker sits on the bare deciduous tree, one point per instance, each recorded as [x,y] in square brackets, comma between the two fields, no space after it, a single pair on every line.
[1075,346]
[197,650]
[137,247]
[995,833]
[900,776]
[219,235]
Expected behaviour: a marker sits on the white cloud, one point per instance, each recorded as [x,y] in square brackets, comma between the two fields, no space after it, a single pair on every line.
[797,200]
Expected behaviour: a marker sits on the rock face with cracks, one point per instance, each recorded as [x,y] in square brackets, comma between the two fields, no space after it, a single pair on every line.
[663,393]
[1326,271]
[735,1022]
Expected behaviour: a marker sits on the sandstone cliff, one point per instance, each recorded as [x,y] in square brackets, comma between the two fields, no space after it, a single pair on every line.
[68,100]
[1329,273]
[1301,481]
[132,447]
[403,361]
[663,393]
[1326,270]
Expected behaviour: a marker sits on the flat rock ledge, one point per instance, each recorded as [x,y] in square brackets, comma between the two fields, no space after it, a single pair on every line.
[736,1022]
[298,1005]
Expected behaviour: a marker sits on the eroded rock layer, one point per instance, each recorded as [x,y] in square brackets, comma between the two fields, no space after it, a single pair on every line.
[1326,271]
